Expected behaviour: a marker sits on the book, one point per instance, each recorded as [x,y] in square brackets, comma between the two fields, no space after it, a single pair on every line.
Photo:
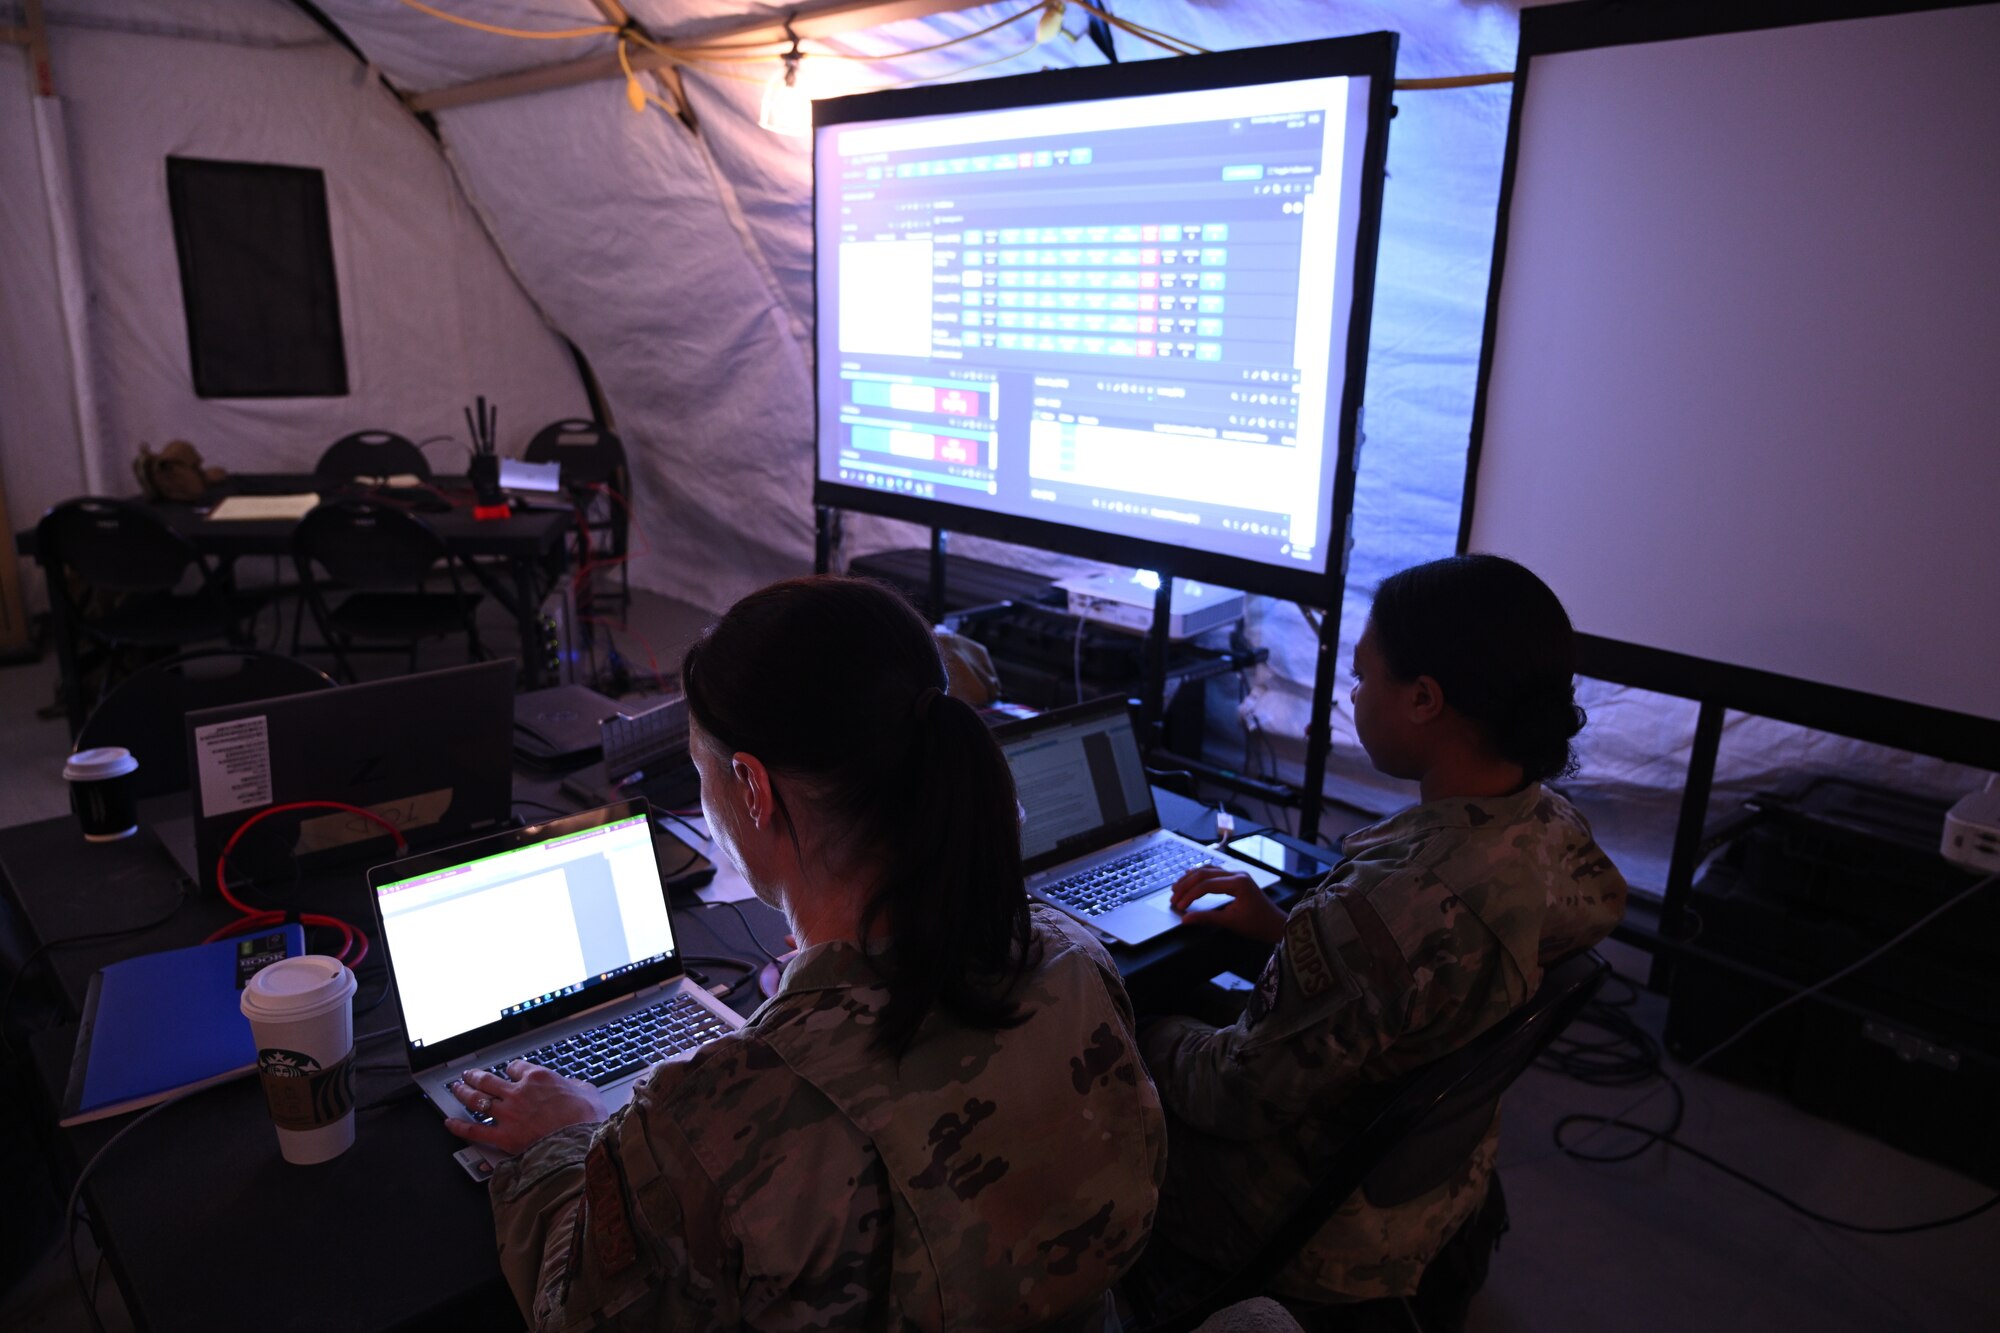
[168,1022]
[252,508]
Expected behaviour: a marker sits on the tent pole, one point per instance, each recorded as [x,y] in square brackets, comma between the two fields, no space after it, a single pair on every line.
[73,293]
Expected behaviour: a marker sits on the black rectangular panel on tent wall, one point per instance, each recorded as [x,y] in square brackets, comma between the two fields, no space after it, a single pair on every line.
[257,278]
[1737,395]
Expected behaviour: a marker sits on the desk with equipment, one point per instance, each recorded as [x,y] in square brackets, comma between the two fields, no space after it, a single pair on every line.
[391,1233]
[517,545]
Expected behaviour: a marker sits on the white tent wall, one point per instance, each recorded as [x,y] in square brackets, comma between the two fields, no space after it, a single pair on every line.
[430,314]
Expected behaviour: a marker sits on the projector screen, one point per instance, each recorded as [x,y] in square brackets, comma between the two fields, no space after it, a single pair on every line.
[1118,312]
[1742,372]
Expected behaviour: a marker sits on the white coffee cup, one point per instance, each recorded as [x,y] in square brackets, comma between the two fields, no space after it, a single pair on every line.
[301,1016]
[103,792]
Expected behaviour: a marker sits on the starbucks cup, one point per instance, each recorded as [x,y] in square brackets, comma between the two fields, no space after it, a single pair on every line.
[302,1018]
[103,792]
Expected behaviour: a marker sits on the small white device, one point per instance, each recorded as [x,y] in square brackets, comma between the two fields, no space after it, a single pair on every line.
[1972,830]
[1126,602]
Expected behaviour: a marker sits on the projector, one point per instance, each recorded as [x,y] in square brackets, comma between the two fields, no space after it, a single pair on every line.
[1126,602]
[1972,831]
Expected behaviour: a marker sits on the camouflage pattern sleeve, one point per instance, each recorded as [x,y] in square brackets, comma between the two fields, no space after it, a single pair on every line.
[1320,1011]
[613,1226]
[1586,896]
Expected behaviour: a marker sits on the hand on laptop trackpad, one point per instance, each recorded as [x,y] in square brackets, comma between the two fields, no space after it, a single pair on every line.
[1208,902]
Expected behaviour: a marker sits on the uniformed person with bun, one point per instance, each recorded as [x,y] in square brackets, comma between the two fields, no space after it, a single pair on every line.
[1436,925]
[940,1121]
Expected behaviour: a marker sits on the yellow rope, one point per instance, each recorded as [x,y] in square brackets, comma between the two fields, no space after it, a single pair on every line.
[525,34]
[752,53]
[1451,81]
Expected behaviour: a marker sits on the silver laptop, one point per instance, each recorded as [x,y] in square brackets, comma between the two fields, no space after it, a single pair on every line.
[1091,841]
[550,943]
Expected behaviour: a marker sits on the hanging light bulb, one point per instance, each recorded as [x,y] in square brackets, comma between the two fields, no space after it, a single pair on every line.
[787,109]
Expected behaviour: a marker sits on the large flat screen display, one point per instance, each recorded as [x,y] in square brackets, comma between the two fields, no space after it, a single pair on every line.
[1120,312]
[1739,401]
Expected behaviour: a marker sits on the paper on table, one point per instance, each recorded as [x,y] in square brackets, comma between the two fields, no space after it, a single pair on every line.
[244,508]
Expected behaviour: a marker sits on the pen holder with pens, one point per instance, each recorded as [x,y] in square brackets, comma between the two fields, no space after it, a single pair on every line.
[482,468]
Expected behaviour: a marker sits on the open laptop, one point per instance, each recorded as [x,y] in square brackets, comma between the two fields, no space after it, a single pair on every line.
[1091,841]
[550,943]
[432,753]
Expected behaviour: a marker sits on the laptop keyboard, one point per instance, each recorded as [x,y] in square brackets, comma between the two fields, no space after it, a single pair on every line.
[1101,888]
[626,1045]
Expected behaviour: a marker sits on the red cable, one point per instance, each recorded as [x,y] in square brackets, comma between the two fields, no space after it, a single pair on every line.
[258,919]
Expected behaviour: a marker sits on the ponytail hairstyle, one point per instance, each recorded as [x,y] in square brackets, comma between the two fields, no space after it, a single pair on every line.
[1499,645]
[837,686]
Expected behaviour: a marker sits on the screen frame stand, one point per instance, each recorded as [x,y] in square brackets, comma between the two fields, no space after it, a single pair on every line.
[1308,798]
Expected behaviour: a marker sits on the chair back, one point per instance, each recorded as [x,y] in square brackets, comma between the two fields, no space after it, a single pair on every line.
[147,712]
[589,453]
[1431,1121]
[366,544]
[372,453]
[115,545]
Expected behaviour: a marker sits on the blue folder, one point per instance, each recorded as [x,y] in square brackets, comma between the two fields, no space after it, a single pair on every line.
[168,1022]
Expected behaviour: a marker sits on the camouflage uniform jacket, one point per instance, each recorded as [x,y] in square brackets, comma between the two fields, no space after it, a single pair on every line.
[791,1176]
[1434,929]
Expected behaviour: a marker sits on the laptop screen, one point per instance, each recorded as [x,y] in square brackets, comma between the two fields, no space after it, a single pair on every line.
[512,930]
[1080,781]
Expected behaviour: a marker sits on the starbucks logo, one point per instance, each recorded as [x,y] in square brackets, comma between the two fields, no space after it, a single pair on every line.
[274,1063]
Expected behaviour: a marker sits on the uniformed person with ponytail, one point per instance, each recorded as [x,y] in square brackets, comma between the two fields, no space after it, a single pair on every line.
[939,1121]
[1436,926]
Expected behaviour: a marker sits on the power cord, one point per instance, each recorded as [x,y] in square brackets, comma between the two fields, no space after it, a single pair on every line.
[1632,1055]
[748,929]
[352,938]
[83,1288]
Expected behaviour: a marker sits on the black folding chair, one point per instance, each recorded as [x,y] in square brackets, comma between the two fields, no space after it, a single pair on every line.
[380,560]
[134,565]
[372,454]
[1423,1133]
[146,713]
[598,484]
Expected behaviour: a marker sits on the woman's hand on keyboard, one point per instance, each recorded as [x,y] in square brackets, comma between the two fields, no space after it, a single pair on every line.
[524,1106]
[1248,912]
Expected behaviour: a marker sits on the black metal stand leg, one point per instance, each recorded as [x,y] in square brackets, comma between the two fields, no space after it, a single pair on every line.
[1153,705]
[939,540]
[1319,731]
[527,615]
[823,525]
[1688,835]
[64,632]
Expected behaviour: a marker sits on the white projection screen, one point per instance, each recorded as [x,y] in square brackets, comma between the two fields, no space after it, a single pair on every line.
[1741,395]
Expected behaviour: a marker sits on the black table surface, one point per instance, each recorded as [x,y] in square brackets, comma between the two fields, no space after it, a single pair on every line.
[205,1225]
[525,532]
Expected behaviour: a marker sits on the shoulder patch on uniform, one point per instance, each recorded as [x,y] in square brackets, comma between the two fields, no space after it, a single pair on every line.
[1309,961]
[610,1228]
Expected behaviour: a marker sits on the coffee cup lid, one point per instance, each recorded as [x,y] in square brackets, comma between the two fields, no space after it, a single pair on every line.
[298,987]
[110,761]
